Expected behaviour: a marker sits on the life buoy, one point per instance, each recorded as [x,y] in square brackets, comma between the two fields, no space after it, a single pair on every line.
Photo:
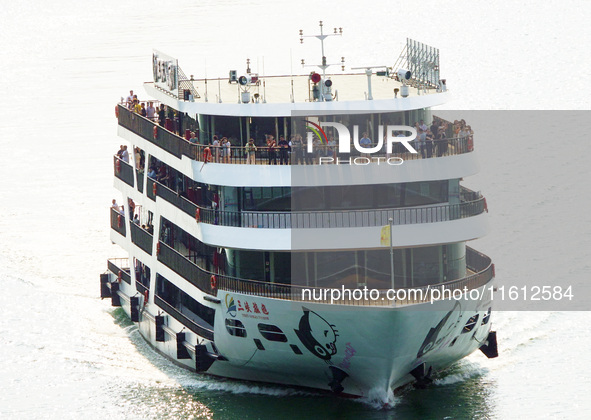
[155,131]
[213,281]
[117,111]
[146,296]
[158,248]
[119,276]
[154,188]
[485,205]
[197,215]
[118,165]
[207,154]
[119,220]
[470,143]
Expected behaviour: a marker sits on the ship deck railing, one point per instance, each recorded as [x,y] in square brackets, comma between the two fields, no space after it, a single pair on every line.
[185,317]
[479,267]
[171,142]
[120,268]
[123,170]
[472,204]
[480,271]
[343,218]
[118,221]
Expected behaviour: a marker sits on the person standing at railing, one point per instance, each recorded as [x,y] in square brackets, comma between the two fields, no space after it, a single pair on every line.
[469,138]
[283,149]
[434,128]
[227,151]
[250,150]
[143,111]
[365,142]
[463,132]
[421,140]
[331,150]
[137,108]
[117,207]
[125,154]
[423,126]
[129,100]
[441,142]
[137,157]
[150,111]
[271,146]
[131,207]
[215,144]
[161,115]
[456,128]
[429,143]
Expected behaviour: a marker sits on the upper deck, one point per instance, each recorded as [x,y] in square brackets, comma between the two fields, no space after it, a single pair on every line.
[413,82]
[277,96]
[451,157]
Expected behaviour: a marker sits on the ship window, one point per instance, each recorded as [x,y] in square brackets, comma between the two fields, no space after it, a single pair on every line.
[266,199]
[235,328]
[272,333]
[425,193]
[470,324]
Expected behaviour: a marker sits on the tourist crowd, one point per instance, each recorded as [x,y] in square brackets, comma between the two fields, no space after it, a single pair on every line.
[433,140]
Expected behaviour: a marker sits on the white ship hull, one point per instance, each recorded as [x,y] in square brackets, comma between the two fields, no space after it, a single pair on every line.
[374,348]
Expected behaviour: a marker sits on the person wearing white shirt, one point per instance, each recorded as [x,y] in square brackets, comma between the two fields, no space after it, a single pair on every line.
[150,111]
[116,207]
[423,126]
[129,100]
[125,155]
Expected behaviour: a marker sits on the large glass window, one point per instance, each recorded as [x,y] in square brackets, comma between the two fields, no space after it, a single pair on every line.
[426,265]
[412,266]
[266,199]
[369,196]
[423,193]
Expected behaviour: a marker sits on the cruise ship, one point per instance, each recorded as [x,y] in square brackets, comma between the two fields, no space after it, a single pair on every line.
[307,230]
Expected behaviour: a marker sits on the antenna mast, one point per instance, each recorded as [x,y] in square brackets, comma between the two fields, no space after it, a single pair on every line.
[324,65]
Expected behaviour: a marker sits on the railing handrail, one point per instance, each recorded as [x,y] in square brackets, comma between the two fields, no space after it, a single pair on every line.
[183,318]
[120,259]
[290,219]
[319,146]
[238,153]
[330,218]
[118,221]
[438,205]
[289,291]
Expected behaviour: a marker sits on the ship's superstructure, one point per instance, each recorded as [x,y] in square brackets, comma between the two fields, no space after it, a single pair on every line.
[237,248]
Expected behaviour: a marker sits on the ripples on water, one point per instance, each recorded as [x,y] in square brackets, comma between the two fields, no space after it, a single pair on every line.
[66,354]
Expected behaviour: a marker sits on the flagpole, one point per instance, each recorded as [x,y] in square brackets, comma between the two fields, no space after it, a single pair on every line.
[390,220]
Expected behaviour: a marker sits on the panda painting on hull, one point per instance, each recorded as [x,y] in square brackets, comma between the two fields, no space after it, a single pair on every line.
[317,335]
